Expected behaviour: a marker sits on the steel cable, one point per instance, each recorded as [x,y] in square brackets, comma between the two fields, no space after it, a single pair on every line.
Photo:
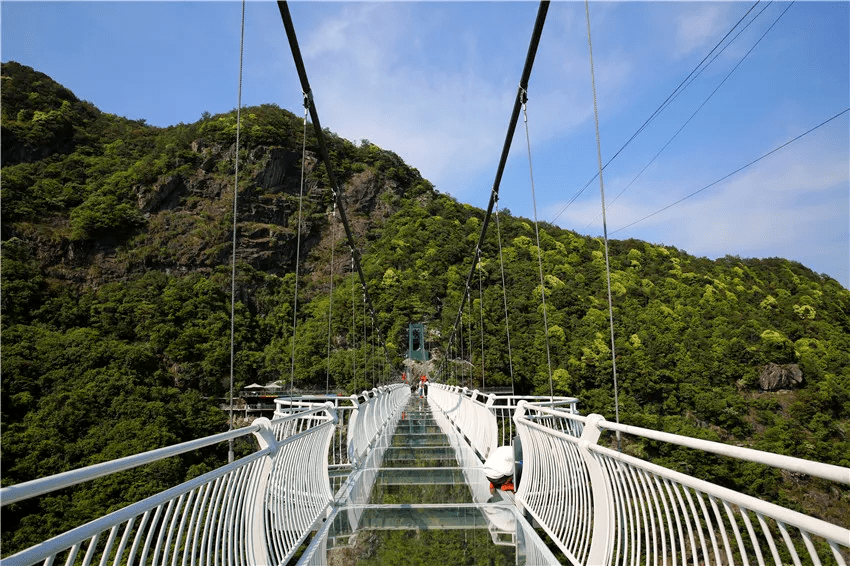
[230,455]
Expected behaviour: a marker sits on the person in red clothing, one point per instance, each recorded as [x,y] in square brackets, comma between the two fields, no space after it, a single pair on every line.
[423,386]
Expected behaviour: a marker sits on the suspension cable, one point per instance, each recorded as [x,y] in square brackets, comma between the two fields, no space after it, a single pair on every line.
[323,150]
[660,108]
[494,194]
[700,107]
[298,249]
[460,342]
[604,224]
[353,324]
[505,300]
[331,301]
[230,455]
[738,170]
[471,339]
[539,250]
[481,319]
[365,344]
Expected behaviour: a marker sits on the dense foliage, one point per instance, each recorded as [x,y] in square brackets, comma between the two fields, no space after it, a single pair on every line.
[116,313]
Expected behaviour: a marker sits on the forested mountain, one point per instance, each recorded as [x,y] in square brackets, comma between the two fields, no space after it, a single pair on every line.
[116,246]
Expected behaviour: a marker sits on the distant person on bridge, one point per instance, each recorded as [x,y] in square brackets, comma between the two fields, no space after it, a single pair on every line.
[423,386]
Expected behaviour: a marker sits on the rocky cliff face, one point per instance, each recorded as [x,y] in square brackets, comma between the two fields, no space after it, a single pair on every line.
[188,219]
[96,198]
[776,377]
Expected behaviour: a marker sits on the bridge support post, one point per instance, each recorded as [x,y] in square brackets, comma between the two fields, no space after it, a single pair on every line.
[602,537]
[255,544]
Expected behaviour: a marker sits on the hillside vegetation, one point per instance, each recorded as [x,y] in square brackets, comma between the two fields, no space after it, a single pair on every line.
[116,244]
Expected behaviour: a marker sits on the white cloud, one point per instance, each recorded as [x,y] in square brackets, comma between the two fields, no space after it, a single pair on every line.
[372,81]
[699,24]
[427,82]
[793,204]
[387,73]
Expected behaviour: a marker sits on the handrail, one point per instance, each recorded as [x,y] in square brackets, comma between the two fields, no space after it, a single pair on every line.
[598,505]
[369,416]
[469,415]
[816,469]
[601,506]
[233,514]
[40,486]
[813,524]
[85,532]
[486,419]
[338,451]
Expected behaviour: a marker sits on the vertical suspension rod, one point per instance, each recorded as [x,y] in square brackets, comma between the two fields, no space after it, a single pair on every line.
[506,148]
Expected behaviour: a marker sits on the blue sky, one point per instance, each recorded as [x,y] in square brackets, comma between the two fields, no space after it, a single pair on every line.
[435,82]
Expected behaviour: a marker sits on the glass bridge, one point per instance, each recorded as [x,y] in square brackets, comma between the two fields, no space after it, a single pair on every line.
[387,478]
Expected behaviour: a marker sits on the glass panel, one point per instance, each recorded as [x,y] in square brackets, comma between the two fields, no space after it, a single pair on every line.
[426,439]
[420,457]
[442,547]
[414,476]
[422,511]
[433,493]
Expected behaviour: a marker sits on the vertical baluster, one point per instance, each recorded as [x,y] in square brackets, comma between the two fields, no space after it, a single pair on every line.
[189,551]
[681,536]
[710,527]
[150,537]
[72,555]
[675,486]
[90,552]
[769,538]
[813,554]
[125,538]
[789,544]
[755,541]
[104,557]
[163,527]
[737,532]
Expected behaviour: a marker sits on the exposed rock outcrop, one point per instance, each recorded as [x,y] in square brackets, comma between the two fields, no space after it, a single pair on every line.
[280,172]
[774,377]
[153,199]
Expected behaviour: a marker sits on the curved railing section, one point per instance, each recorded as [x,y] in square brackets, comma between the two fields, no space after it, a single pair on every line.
[256,510]
[372,411]
[339,465]
[487,420]
[601,506]
[370,429]
[469,411]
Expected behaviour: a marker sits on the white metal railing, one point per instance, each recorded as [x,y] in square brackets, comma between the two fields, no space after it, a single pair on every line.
[604,507]
[370,430]
[486,420]
[372,411]
[469,412]
[256,510]
[598,505]
[344,406]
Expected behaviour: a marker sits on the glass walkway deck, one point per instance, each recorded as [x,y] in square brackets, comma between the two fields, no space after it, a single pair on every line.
[425,507]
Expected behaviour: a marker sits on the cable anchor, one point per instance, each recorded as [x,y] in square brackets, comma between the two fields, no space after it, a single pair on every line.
[523,96]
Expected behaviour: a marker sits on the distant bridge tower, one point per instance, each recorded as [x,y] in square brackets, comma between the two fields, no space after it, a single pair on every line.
[416,342]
